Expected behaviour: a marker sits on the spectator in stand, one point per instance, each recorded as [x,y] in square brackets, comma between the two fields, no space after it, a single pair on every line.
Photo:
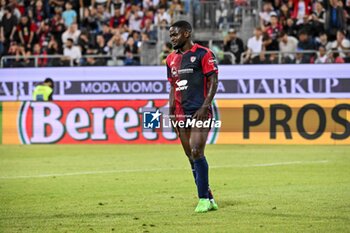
[37,51]
[265,14]
[233,44]
[120,4]
[54,49]
[116,48]
[103,15]
[83,4]
[291,28]
[117,20]
[84,42]
[318,17]
[307,25]
[254,45]
[341,43]
[273,31]
[131,50]
[150,3]
[71,52]
[137,38]
[150,30]
[8,28]
[69,15]
[101,47]
[161,15]
[322,56]
[17,8]
[90,20]
[268,46]
[106,32]
[72,32]
[284,14]
[347,14]
[26,32]
[148,15]
[130,60]
[322,40]
[135,18]
[39,13]
[336,58]
[301,8]
[306,43]
[57,25]
[2,8]
[131,46]
[335,19]
[43,33]
[104,3]
[288,46]
[22,59]
[163,3]
[93,61]
[53,4]
[176,8]
[221,13]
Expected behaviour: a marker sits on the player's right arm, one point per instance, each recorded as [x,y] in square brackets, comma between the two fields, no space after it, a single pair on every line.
[172,106]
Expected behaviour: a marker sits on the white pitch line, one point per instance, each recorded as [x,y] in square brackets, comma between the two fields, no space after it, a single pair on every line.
[158,169]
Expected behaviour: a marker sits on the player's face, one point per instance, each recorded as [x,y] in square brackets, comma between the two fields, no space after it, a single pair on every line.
[177,37]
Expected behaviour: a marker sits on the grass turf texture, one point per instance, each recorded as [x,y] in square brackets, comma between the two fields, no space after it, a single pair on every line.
[149,188]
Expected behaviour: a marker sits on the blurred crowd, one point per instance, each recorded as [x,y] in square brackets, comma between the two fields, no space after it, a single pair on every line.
[81,28]
[296,31]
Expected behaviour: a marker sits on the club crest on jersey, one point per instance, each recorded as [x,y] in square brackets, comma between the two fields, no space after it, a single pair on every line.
[193,59]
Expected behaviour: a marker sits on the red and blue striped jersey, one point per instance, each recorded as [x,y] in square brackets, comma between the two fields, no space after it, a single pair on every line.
[188,74]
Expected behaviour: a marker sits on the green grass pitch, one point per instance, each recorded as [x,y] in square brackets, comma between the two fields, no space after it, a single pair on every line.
[149,188]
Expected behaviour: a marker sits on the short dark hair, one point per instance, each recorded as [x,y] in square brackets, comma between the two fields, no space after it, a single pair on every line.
[70,39]
[49,80]
[183,25]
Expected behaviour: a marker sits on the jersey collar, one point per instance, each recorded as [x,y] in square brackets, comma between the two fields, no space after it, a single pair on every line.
[192,49]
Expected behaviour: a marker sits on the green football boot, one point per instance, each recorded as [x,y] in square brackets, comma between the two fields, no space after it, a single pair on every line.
[213,205]
[203,205]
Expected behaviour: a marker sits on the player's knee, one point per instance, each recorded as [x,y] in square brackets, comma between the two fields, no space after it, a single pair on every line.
[196,152]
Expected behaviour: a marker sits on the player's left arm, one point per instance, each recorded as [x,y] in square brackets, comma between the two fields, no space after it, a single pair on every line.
[210,70]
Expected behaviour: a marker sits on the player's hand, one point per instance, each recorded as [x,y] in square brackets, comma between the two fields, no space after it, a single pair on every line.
[201,114]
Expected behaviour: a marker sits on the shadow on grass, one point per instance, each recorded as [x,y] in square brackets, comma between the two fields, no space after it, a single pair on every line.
[227,203]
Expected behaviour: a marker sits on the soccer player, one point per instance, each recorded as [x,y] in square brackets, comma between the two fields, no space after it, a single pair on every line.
[193,74]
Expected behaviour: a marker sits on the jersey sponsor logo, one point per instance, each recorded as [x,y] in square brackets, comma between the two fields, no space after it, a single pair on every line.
[193,59]
[185,71]
[172,63]
[181,85]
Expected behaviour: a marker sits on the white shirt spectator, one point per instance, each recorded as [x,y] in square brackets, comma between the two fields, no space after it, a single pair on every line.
[255,44]
[290,46]
[73,52]
[71,32]
[322,59]
[344,45]
[135,21]
[159,17]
